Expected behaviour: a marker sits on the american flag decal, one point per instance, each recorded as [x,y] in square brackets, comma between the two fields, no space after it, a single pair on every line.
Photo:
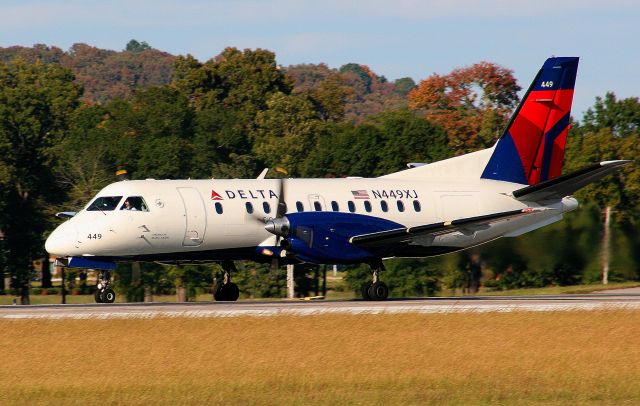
[215,195]
[360,194]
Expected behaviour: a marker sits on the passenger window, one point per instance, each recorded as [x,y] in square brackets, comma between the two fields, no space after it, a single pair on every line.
[416,205]
[352,206]
[218,208]
[266,207]
[384,206]
[249,207]
[317,206]
[367,206]
[299,207]
[104,203]
[400,206]
[334,206]
[134,203]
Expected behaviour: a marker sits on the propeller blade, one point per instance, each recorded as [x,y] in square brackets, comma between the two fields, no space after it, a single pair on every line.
[282,205]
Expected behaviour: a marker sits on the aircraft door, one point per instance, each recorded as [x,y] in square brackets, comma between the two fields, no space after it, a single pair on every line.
[316,201]
[195,217]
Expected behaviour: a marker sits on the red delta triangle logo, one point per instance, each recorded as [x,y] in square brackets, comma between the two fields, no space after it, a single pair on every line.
[215,195]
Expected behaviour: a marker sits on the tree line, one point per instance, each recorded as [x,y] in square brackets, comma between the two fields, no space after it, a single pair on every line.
[233,115]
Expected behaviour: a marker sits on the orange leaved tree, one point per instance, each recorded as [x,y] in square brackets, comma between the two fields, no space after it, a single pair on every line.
[472,104]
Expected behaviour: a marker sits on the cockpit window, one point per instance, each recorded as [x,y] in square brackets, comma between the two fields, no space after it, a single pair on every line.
[134,203]
[104,203]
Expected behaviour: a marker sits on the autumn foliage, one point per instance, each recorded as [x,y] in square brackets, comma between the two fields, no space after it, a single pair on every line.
[472,104]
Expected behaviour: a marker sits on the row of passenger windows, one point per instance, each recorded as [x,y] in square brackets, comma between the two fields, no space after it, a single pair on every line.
[317,206]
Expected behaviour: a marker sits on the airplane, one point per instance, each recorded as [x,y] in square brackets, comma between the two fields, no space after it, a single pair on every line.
[507,190]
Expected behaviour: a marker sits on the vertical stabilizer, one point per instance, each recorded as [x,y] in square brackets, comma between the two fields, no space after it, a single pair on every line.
[532,148]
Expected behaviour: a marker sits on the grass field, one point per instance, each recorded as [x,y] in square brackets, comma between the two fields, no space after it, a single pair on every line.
[491,358]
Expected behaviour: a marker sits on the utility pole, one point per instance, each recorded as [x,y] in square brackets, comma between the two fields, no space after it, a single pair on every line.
[63,291]
[324,280]
[605,245]
[290,282]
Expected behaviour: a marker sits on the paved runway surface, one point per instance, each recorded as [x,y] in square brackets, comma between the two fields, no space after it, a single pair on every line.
[600,301]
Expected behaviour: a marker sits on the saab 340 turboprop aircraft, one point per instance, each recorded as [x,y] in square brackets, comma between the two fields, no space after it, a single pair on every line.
[504,191]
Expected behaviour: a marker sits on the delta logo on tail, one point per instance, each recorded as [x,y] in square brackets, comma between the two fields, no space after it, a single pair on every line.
[532,148]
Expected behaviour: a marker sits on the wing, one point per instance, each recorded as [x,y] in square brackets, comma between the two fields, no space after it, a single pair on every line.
[405,235]
[565,185]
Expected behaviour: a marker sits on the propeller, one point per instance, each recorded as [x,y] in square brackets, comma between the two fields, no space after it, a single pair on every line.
[278,225]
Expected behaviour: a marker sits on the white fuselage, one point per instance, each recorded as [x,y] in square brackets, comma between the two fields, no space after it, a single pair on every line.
[209,219]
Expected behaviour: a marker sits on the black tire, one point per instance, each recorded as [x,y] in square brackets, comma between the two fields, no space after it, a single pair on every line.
[378,291]
[232,292]
[218,295]
[98,295]
[108,296]
[364,290]
[227,293]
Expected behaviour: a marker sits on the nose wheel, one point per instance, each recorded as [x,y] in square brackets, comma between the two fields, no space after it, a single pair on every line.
[227,291]
[104,293]
[376,289]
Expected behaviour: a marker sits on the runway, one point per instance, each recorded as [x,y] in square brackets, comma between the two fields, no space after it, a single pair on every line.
[255,308]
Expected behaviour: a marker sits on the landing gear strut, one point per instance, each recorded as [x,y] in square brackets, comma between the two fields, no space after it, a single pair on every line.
[227,291]
[104,293]
[376,289]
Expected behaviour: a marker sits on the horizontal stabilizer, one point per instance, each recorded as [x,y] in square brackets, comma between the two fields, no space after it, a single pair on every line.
[408,234]
[565,185]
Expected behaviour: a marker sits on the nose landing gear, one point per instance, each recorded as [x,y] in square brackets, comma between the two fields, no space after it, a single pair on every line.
[227,291]
[104,293]
[376,289]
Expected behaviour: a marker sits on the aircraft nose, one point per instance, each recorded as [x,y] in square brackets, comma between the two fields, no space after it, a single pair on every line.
[61,242]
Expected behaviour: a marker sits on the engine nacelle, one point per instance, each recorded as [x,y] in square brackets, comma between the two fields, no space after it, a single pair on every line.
[323,237]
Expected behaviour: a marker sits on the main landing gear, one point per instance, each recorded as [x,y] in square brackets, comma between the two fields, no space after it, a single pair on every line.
[104,293]
[376,289]
[227,291]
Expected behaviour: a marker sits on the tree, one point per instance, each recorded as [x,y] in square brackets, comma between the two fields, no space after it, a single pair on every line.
[306,77]
[84,158]
[285,131]
[192,78]
[371,94]
[137,47]
[472,104]
[388,140]
[622,117]
[247,79]
[151,133]
[340,153]
[408,138]
[353,92]
[36,104]
[330,98]
[609,131]
[404,86]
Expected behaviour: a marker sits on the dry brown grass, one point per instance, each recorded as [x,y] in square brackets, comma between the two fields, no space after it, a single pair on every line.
[514,358]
